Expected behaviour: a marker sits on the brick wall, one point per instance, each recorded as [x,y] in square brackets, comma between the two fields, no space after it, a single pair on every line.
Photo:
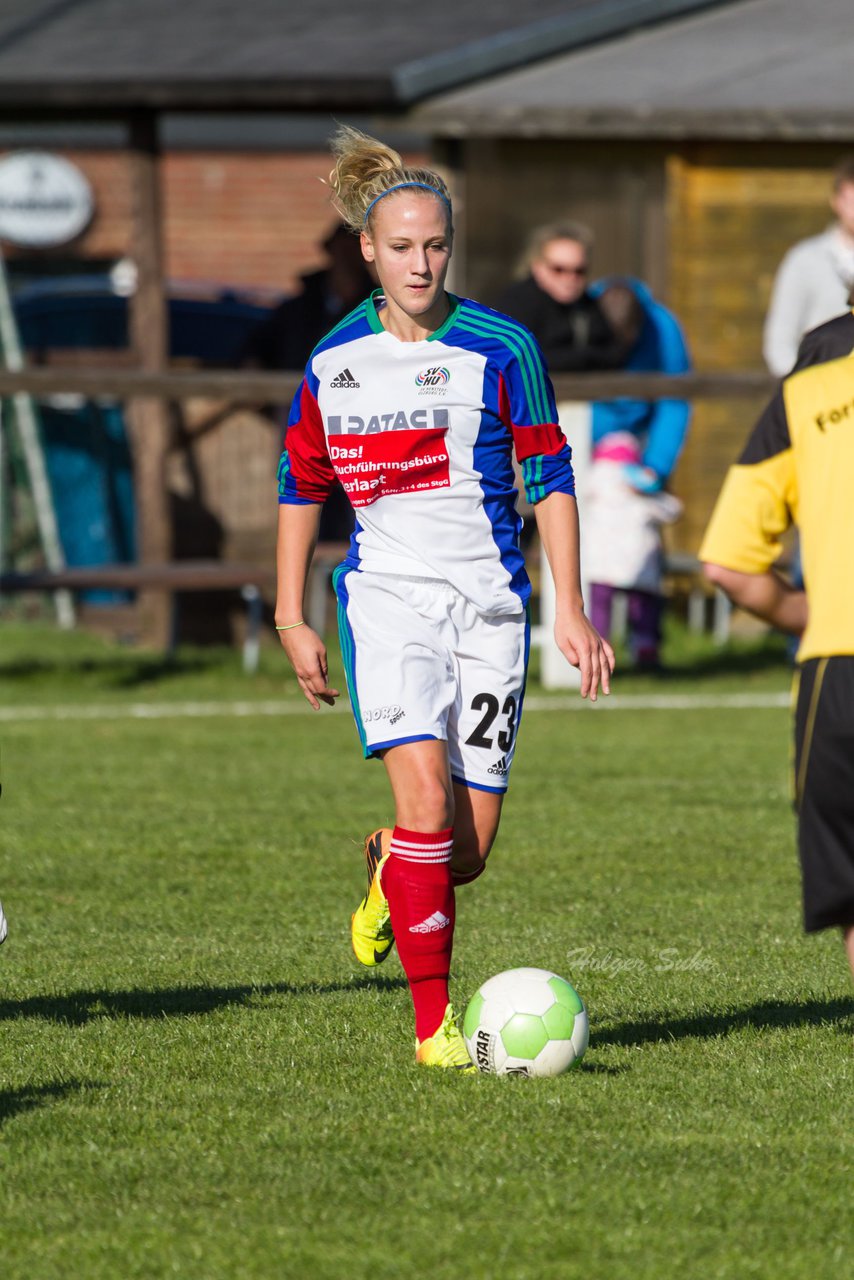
[251,219]
[233,218]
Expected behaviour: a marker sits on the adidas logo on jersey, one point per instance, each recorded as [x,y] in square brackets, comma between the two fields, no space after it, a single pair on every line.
[345,379]
[500,767]
[432,924]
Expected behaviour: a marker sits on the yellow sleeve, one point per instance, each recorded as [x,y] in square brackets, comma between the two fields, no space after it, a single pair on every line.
[755,507]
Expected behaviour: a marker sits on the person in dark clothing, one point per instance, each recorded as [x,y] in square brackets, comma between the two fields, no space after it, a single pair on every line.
[287,337]
[798,466]
[554,303]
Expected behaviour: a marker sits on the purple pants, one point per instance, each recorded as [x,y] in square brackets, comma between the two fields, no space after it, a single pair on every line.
[644,619]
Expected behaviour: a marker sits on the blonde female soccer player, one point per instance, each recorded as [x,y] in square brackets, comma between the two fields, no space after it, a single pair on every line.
[415,402]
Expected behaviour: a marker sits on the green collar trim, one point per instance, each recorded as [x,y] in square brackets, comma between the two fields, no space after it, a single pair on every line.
[448,323]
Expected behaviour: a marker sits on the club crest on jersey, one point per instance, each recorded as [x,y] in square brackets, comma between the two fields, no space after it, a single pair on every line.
[433,377]
[433,381]
[397,420]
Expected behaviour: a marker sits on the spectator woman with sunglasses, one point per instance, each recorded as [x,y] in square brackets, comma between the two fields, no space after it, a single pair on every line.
[553,302]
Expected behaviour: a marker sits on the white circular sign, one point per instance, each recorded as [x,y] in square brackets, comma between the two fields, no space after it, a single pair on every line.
[44,200]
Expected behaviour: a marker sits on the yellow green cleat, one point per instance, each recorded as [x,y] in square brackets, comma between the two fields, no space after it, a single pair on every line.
[370,925]
[446,1047]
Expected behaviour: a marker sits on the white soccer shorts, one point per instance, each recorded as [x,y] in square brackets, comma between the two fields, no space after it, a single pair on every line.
[421,663]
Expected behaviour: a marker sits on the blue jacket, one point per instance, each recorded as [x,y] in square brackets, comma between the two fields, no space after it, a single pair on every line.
[661,348]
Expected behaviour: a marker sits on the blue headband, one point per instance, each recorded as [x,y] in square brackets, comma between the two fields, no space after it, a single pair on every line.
[425,186]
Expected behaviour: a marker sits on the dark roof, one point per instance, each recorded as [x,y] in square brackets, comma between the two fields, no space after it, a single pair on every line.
[751,69]
[285,54]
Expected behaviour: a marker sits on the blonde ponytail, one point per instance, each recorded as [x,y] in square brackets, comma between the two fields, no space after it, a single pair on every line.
[366,170]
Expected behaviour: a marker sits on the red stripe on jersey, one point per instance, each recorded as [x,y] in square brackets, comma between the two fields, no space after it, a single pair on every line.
[305,441]
[544,438]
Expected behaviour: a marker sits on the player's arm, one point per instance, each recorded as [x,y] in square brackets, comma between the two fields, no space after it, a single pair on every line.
[306,477]
[575,636]
[753,510]
[297,537]
[527,406]
[767,595]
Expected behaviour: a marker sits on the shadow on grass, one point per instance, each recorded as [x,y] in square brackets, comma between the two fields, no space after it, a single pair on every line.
[770,1015]
[13,1102]
[119,671]
[79,1007]
[717,662]
[597,1069]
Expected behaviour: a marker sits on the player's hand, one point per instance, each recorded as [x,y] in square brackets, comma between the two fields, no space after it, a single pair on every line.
[583,647]
[307,655]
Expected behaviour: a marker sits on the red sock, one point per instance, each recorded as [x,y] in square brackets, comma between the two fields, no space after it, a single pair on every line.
[417,882]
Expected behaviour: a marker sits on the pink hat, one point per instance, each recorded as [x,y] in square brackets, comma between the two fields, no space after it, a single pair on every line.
[618,446]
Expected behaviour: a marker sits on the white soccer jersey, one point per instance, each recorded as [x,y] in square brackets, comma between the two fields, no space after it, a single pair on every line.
[421,434]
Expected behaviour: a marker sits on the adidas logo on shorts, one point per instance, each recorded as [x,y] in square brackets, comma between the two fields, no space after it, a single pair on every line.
[345,379]
[499,767]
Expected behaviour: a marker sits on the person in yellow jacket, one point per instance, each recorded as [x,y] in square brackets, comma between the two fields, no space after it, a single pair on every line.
[798,468]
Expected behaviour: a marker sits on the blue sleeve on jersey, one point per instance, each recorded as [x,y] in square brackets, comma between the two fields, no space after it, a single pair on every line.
[545,473]
[541,447]
[518,389]
[530,393]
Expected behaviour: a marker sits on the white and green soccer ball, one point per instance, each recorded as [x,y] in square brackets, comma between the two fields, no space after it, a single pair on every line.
[526,1022]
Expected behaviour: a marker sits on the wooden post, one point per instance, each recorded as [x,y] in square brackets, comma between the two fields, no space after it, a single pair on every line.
[149,418]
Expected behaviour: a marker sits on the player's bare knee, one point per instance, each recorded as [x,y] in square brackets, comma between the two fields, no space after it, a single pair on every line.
[432,807]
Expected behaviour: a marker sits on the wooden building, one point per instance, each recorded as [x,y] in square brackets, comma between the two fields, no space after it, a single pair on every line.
[695,136]
[699,149]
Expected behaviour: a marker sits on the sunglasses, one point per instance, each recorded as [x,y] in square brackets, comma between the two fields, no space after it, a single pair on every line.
[559,270]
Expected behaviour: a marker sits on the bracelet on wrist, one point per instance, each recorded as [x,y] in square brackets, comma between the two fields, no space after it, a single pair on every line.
[289,626]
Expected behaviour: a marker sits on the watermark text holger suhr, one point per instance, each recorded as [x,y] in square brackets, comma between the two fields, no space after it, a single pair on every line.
[665,960]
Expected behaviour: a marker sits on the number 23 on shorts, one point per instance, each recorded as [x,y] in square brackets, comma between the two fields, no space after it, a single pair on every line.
[493,711]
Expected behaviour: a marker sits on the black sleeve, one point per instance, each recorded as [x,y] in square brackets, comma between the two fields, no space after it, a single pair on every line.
[770,435]
[828,341]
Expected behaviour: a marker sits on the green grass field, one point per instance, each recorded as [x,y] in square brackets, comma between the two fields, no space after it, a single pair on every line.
[197,1080]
